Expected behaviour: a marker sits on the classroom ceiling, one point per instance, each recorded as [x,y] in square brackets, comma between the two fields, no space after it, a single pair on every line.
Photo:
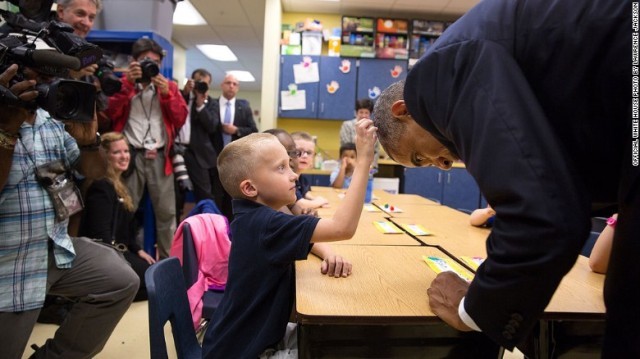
[239,24]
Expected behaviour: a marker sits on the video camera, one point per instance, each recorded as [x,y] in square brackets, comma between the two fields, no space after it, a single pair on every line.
[50,48]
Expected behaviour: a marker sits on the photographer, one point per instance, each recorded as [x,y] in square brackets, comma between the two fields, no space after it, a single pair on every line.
[195,137]
[149,110]
[37,255]
[80,14]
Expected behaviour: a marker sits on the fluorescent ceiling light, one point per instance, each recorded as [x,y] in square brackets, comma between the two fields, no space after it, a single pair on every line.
[242,76]
[218,52]
[186,14]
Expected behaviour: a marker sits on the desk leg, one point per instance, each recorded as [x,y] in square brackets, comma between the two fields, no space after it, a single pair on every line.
[304,347]
[544,337]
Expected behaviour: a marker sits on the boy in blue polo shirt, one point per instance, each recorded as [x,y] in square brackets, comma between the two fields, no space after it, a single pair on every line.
[259,296]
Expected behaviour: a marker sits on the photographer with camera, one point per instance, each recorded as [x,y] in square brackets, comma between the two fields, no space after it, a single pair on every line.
[37,255]
[195,139]
[149,110]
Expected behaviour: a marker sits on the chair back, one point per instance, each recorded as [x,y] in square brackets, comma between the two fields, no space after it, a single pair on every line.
[168,302]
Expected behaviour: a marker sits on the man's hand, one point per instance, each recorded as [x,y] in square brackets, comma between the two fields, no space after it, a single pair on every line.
[12,117]
[161,83]
[445,294]
[188,87]
[89,70]
[134,72]
[229,129]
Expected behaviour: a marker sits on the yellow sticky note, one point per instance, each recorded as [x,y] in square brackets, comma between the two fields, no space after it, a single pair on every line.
[387,227]
[369,207]
[440,264]
[473,262]
[416,229]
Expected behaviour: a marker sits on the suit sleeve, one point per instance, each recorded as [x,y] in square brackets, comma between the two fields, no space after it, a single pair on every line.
[99,207]
[479,102]
[207,117]
[247,125]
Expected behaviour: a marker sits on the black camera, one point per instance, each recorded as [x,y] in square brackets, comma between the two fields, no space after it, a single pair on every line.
[201,87]
[109,82]
[149,69]
[50,49]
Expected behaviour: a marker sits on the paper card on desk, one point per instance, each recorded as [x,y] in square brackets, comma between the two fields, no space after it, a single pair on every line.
[439,265]
[473,262]
[387,227]
[416,229]
[369,207]
[391,208]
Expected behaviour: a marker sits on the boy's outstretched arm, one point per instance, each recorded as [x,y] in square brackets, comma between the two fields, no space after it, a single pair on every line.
[345,220]
[333,265]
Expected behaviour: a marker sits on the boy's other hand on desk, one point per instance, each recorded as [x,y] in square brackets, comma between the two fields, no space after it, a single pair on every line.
[336,266]
[445,294]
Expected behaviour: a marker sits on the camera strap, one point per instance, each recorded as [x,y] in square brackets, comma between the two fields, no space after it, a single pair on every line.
[147,115]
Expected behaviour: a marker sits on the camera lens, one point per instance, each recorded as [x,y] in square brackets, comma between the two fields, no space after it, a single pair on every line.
[201,87]
[66,101]
[149,69]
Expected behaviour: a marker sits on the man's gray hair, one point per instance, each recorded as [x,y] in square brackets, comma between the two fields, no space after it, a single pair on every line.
[389,129]
[67,3]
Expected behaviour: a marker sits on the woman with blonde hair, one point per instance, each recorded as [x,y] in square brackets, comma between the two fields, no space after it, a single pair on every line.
[108,213]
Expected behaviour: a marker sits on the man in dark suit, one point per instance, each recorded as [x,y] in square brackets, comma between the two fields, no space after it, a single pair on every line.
[534,96]
[195,138]
[236,120]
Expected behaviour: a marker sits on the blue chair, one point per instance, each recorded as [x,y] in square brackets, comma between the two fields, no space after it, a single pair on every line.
[168,302]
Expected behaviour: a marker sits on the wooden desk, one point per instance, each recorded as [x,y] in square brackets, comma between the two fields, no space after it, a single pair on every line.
[367,234]
[382,305]
[401,199]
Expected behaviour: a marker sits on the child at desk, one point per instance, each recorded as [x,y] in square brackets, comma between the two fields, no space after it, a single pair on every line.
[305,144]
[253,315]
[341,176]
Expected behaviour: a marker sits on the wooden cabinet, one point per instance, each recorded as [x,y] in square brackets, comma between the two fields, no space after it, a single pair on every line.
[375,75]
[332,97]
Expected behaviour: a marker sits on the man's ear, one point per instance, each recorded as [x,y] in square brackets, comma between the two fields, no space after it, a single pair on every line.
[399,109]
[248,189]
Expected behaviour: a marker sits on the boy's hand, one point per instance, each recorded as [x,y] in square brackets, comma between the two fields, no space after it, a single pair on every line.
[336,266]
[365,140]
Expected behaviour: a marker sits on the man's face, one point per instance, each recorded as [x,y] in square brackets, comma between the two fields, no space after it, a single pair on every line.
[418,147]
[80,14]
[202,78]
[363,113]
[230,87]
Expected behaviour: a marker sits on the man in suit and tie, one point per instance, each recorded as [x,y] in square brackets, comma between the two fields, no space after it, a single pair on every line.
[195,139]
[237,121]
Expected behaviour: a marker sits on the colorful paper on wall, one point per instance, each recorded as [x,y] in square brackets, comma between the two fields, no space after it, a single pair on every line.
[306,73]
[293,100]
[439,265]
[473,262]
[387,227]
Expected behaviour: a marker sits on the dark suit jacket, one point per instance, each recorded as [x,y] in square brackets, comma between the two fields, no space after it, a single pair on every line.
[242,118]
[533,95]
[204,125]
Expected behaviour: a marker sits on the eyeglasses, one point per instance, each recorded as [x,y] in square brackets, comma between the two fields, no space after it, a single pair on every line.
[294,154]
[306,153]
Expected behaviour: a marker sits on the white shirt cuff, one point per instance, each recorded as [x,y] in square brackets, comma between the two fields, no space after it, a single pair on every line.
[466,318]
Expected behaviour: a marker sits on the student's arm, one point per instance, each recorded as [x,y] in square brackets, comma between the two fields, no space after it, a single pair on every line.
[480,216]
[333,264]
[345,220]
[599,258]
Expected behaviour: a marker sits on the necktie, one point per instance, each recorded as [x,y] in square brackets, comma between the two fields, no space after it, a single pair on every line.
[226,138]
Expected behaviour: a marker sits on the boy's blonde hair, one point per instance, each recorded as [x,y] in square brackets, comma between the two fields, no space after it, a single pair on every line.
[301,135]
[239,159]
